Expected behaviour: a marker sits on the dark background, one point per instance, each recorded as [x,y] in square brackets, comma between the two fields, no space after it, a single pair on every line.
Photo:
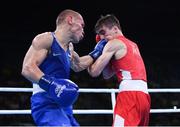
[154,25]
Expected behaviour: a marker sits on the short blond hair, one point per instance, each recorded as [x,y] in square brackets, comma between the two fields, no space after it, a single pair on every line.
[62,15]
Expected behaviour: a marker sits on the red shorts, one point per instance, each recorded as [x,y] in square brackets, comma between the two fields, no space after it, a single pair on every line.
[132,109]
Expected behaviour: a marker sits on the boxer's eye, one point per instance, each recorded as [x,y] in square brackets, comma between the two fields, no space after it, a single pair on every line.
[102,32]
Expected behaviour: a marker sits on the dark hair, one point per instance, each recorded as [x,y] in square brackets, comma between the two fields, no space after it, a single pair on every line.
[108,20]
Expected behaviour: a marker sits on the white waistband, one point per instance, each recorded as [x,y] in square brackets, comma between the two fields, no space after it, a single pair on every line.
[133,85]
[37,89]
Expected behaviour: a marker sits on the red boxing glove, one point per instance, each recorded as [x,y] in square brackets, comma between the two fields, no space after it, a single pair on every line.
[97,38]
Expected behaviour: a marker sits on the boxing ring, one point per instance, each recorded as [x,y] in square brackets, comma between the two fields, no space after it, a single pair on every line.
[112,92]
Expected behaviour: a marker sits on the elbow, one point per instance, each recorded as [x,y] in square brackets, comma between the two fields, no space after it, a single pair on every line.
[76,70]
[26,70]
[94,73]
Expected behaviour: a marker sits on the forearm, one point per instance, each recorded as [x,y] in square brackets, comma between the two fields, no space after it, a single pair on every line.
[32,73]
[95,69]
[98,66]
[83,63]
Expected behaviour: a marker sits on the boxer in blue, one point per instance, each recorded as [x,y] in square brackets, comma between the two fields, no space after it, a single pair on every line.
[47,65]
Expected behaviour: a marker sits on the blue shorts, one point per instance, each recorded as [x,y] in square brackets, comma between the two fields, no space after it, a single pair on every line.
[46,112]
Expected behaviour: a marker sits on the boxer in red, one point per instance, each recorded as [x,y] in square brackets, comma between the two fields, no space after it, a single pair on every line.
[122,57]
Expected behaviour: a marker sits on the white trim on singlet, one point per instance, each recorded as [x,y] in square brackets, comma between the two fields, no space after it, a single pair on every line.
[133,85]
[37,89]
[118,121]
[126,74]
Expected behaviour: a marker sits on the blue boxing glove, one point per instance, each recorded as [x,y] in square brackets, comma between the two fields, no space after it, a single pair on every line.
[98,49]
[63,91]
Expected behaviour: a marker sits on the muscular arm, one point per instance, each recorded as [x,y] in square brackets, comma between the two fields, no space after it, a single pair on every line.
[112,48]
[79,63]
[84,63]
[34,57]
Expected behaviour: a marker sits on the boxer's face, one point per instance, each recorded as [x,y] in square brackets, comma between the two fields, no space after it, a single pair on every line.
[106,33]
[78,29]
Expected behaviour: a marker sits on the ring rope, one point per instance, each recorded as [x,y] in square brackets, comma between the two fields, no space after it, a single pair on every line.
[91,90]
[92,111]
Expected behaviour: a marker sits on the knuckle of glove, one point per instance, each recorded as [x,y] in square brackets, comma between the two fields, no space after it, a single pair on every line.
[65,92]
